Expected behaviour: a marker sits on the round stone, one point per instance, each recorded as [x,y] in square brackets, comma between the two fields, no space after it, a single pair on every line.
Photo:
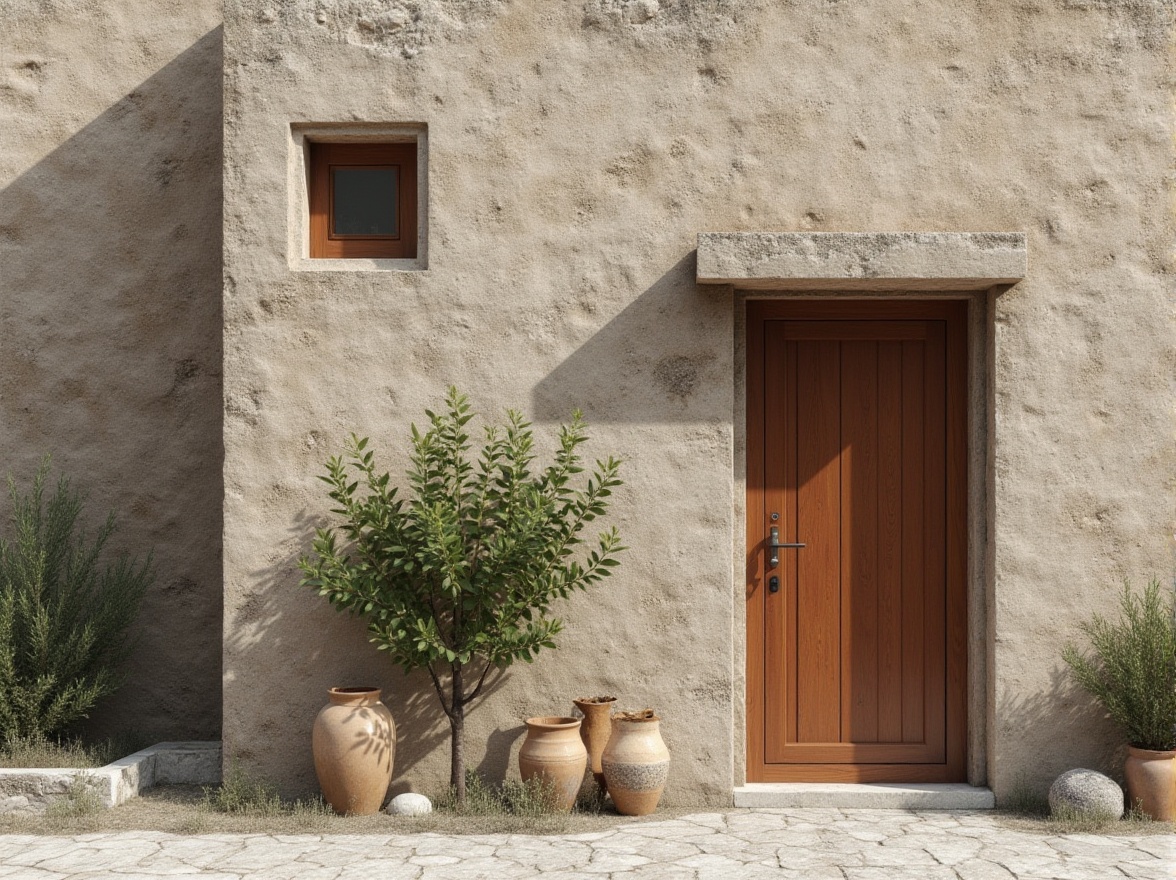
[409,804]
[1086,792]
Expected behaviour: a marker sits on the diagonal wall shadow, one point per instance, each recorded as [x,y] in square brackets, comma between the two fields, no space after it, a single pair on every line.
[655,362]
[110,356]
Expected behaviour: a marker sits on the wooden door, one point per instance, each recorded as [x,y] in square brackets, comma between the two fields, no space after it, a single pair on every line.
[857,450]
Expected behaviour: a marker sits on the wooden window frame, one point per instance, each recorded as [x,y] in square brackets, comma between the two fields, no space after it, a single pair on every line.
[324,244]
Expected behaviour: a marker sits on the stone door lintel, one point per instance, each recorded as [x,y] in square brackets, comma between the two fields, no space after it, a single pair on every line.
[943,262]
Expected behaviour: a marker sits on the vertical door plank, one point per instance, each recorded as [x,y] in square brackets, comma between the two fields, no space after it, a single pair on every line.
[790,529]
[890,634]
[818,595]
[912,542]
[859,541]
[935,570]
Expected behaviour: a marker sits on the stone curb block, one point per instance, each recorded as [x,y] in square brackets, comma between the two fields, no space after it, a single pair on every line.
[32,790]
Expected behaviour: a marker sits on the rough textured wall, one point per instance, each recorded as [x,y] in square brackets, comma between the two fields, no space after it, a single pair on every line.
[110,314]
[576,148]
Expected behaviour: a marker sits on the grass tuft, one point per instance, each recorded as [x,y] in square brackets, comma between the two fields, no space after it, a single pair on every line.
[514,806]
[42,752]
[81,801]
[1025,801]
[242,795]
[534,797]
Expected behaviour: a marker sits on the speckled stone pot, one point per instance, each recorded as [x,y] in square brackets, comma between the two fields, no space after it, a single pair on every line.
[1151,782]
[636,764]
[595,731]
[354,743]
[553,750]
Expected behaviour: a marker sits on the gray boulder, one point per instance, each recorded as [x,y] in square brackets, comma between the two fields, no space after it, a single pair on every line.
[1086,792]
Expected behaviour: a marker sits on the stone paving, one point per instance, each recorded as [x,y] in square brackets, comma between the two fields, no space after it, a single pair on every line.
[813,844]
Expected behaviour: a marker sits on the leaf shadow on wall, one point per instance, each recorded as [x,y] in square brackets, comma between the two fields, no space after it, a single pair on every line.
[660,360]
[290,639]
[110,353]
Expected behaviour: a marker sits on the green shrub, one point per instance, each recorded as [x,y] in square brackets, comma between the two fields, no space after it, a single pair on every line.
[1133,668]
[64,613]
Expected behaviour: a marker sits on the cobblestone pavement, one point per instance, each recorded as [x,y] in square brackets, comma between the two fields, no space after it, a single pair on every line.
[810,844]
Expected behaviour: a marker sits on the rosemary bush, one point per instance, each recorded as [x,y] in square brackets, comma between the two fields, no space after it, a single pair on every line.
[1132,671]
[64,613]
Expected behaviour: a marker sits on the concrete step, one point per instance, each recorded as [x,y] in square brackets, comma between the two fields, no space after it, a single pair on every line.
[866,796]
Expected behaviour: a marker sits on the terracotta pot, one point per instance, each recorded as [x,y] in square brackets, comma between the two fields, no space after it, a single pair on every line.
[1151,782]
[354,741]
[595,731]
[554,751]
[636,762]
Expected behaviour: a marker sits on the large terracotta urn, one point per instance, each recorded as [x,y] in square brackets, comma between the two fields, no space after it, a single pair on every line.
[1151,782]
[354,742]
[553,750]
[636,762]
[595,731]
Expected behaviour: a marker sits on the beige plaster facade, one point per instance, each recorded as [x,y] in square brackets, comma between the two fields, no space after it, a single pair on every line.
[575,152]
[110,317]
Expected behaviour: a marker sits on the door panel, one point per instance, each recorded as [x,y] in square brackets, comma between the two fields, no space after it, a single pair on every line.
[851,652]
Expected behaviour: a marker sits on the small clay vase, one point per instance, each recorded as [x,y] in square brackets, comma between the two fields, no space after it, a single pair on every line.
[553,750]
[1151,782]
[354,742]
[636,762]
[595,731]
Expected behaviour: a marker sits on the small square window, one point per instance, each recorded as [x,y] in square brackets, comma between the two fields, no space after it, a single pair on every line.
[363,200]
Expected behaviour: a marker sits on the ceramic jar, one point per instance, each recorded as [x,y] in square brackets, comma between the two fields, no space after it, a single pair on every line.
[595,730]
[553,750]
[354,743]
[635,762]
[1151,782]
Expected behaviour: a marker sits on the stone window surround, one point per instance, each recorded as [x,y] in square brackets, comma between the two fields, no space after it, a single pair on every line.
[298,196]
[976,267]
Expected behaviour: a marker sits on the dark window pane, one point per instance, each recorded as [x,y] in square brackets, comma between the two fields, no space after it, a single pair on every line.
[365,201]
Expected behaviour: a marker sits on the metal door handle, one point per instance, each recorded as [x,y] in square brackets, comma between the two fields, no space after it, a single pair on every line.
[775,546]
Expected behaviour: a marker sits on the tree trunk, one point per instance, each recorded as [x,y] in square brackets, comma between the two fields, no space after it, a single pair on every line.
[457,741]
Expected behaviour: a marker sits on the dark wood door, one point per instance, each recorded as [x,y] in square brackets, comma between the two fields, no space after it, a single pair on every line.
[856,449]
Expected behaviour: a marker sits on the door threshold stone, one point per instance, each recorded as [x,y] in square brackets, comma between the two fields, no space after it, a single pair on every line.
[866,796]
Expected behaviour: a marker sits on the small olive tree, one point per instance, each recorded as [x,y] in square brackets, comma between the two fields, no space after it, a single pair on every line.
[458,577]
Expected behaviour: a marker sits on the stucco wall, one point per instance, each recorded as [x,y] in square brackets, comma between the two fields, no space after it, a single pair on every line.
[575,150]
[110,315]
